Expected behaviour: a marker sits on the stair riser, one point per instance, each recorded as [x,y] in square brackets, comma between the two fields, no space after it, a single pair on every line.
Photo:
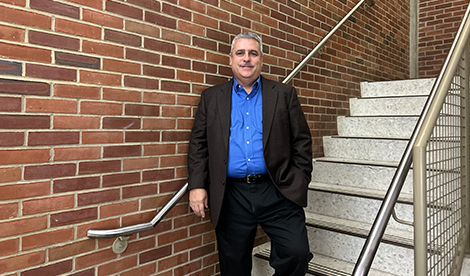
[379,127]
[364,149]
[389,258]
[403,106]
[397,88]
[355,208]
[363,176]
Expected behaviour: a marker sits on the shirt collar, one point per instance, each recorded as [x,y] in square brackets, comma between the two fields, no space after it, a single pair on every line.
[238,88]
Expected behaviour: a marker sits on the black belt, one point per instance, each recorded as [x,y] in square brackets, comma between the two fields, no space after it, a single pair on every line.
[251,178]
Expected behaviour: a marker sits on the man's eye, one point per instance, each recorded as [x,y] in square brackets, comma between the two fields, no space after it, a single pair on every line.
[253,53]
[239,53]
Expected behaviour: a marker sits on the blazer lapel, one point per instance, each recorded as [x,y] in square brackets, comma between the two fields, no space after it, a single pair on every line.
[270,96]
[224,104]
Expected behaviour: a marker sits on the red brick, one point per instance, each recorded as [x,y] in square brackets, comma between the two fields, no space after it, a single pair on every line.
[102,137]
[94,258]
[140,163]
[123,38]
[24,87]
[189,76]
[48,204]
[202,251]
[139,191]
[10,104]
[120,179]
[124,10]
[175,36]
[55,8]
[23,122]
[9,247]
[73,217]
[22,261]
[76,122]
[38,105]
[141,136]
[17,191]
[160,20]
[8,211]
[103,49]
[22,226]
[59,268]
[76,28]
[173,161]
[117,266]
[49,171]
[99,166]
[23,156]
[144,29]
[142,110]
[100,78]
[26,18]
[155,254]
[175,86]
[160,149]
[175,136]
[160,98]
[11,33]
[88,272]
[76,153]
[100,18]
[75,60]
[76,91]
[191,28]
[52,73]
[103,108]
[76,184]
[204,20]
[138,82]
[71,250]
[117,209]
[121,123]
[122,151]
[53,40]
[97,4]
[159,123]
[47,238]
[121,95]
[121,66]
[98,197]
[187,268]
[53,138]
[160,174]
[144,56]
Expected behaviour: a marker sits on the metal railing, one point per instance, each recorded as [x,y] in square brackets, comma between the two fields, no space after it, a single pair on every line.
[460,194]
[441,167]
[123,233]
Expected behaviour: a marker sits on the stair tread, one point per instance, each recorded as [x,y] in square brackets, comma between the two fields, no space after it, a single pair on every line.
[324,265]
[360,229]
[357,191]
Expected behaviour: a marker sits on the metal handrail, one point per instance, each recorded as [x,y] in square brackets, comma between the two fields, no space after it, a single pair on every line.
[133,229]
[378,228]
[323,41]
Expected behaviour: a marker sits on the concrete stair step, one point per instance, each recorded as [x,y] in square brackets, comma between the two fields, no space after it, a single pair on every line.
[400,127]
[358,173]
[320,265]
[397,88]
[390,106]
[376,149]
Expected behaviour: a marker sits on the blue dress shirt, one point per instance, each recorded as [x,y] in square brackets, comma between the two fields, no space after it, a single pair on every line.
[245,154]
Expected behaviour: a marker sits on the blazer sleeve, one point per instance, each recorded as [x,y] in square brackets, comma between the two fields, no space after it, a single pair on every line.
[198,151]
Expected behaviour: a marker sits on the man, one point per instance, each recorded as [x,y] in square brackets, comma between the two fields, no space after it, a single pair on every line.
[250,156]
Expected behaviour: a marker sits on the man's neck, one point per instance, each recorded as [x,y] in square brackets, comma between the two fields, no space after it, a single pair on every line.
[247,85]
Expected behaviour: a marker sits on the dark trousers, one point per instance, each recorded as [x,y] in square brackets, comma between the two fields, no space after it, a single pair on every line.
[245,206]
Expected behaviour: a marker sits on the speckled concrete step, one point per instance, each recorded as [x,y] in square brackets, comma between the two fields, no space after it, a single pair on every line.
[397,88]
[383,127]
[394,106]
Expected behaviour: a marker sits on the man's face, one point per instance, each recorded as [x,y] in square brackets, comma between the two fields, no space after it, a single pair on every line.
[246,60]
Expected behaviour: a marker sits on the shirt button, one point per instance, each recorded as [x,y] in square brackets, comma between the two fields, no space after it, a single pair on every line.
[249,159]
[247,142]
[247,127]
[247,113]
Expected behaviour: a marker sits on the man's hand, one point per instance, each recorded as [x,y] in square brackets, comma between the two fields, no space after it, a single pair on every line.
[198,201]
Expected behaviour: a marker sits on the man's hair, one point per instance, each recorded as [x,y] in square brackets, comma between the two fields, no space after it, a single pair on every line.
[250,36]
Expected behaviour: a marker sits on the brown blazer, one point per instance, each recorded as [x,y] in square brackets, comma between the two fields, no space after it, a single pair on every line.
[287,143]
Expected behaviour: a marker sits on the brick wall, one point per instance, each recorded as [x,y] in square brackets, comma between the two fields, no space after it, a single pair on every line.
[438,23]
[96,105]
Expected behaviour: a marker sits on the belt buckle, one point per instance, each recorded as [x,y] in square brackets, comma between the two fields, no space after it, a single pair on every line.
[250,179]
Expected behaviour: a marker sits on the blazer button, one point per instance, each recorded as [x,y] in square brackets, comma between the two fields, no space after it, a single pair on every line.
[223,182]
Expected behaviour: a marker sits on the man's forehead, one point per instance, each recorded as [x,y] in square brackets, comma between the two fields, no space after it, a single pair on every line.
[248,44]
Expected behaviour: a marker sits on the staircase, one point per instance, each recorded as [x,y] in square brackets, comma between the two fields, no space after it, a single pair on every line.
[350,181]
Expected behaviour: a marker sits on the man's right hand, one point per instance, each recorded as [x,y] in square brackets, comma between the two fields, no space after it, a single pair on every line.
[198,201]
